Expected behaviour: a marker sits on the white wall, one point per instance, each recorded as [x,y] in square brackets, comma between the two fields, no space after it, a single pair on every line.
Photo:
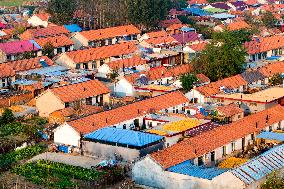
[66,135]
[195,94]
[124,88]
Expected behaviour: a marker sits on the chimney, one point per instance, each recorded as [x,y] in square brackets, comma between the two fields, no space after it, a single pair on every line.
[55,40]
[106,120]
[256,124]
[33,46]
[195,151]
[128,47]
[94,124]
[84,89]
[138,111]
[267,118]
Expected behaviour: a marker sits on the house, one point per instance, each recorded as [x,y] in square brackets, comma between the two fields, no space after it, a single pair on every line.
[155,76]
[155,34]
[263,47]
[16,50]
[203,93]
[159,42]
[198,155]
[123,66]
[67,114]
[7,75]
[125,117]
[237,5]
[104,37]
[40,19]
[93,58]
[232,26]
[187,37]
[192,50]
[73,28]
[166,23]
[60,43]
[254,102]
[50,31]
[230,113]
[175,28]
[129,145]
[91,92]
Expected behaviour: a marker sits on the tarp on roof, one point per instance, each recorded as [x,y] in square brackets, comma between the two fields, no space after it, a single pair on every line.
[271,136]
[123,136]
[196,11]
[222,16]
[73,28]
[261,166]
[215,10]
[187,168]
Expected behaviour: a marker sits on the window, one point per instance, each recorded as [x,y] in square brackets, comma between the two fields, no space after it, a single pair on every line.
[224,150]
[200,161]
[252,136]
[67,104]
[233,144]
[77,66]
[85,66]
[124,126]
[59,50]
[102,62]
[94,66]
[213,156]
[270,128]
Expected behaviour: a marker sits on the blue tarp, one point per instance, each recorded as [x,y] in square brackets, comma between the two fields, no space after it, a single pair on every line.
[73,28]
[36,45]
[123,136]
[261,166]
[187,168]
[222,16]
[46,70]
[271,136]
[273,58]
[196,11]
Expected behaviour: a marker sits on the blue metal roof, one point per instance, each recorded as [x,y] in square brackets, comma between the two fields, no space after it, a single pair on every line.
[261,166]
[73,28]
[123,136]
[196,11]
[187,168]
[36,45]
[271,136]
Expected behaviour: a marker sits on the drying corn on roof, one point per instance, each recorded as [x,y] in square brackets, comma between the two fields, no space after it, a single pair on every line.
[232,162]
[182,125]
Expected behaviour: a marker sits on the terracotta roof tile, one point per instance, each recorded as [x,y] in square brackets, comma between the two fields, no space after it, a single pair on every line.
[43,16]
[57,41]
[84,110]
[229,110]
[264,44]
[78,91]
[94,35]
[44,32]
[92,54]
[202,78]
[157,34]
[210,140]
[126,63]
[273,68]
[29,64]
[6,71]
[128,112]
[162,40]
[16,47]
[237,25]
[198,47]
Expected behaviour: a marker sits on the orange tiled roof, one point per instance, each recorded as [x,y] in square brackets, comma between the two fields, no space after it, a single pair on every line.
[128,112]
[29,64]
[191,2]
[43,16]
[44,32]
[233,82]
[202,78]
[161,72]
[157,34]
[6,71]
[175,26]
[78,91]
[162,40]
[273,68]
[264,44]
[57,41]
[229,110]
[210,140]
[84,110]
[92,54]
[198,46]
[237,25]
[94,35]
[126,63]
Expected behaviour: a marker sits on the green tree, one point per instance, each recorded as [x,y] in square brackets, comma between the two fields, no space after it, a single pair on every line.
[48,49]
[7,117]
[269,20]
[222,58]
[179,4]
[274,181]
[187,81]
[18,29]
[276,79]
[62,11]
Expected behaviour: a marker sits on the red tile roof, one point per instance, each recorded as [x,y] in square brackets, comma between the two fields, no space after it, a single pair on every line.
[229,110]
[264,44]
[43,16]
[233,82]
[273,68]
[202,78]
[94,35]
[167,23]
[17,47]
[6,71]
[213,139]
[128,112]
[126,63]
[29,64]
[157,34]
[78,91]
[198,47]
[162,40]
[84,110]
[191,2]
[161,72]
[57,41]
[237,25]
[92,54]
[44,32]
